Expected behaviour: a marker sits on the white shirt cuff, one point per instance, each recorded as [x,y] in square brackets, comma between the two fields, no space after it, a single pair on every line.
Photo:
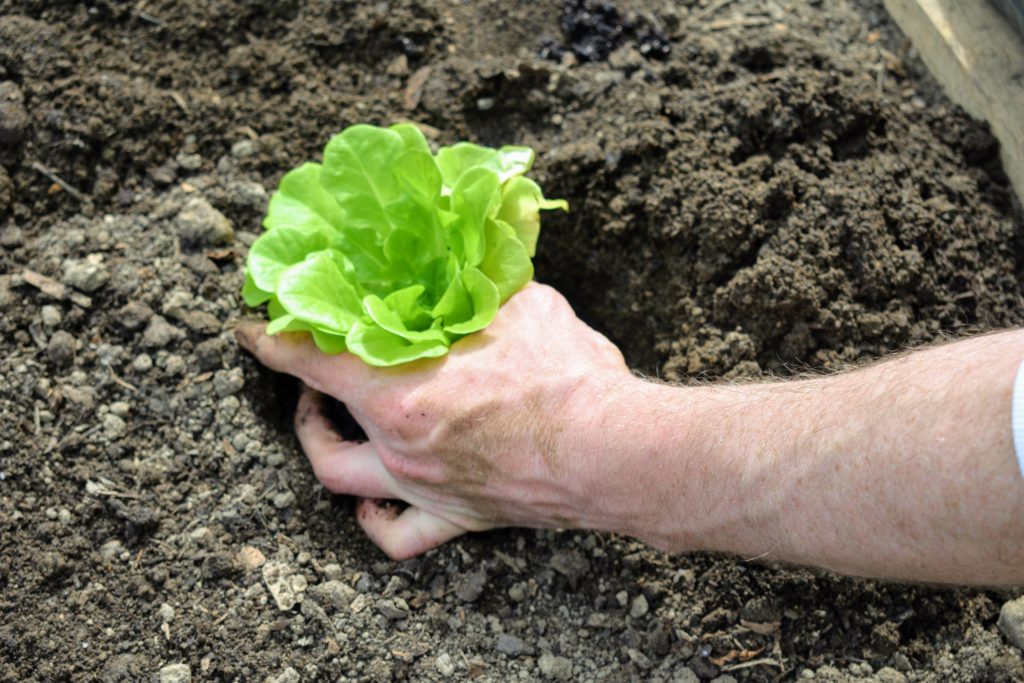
[1017,417]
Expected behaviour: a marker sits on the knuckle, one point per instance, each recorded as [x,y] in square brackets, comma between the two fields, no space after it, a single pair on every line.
[610,352]
[409,403]
[542,295]
[405,414]
[401,467]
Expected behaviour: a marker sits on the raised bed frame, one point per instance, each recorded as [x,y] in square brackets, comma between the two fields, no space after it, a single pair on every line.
[978,58]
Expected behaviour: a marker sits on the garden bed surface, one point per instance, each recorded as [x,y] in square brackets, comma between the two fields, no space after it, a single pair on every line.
[784,190]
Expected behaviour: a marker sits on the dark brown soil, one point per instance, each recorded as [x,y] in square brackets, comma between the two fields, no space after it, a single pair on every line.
[785,190]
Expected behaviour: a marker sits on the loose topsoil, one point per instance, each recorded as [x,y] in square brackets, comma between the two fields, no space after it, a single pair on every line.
[757,186]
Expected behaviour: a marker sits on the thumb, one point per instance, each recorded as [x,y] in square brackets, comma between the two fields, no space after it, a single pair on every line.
[295,353]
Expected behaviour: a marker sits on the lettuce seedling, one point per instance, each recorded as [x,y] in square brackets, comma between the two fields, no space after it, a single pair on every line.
[392,252]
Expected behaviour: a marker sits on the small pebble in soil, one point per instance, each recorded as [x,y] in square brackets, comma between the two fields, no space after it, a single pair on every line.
[177,304]
[246,195]
[639,658]
[553,666]
[289,675]
[50,315]
[166,613]
[250,558]
[61,348]
[470,586]
[175,673]
[11,236]
[159,333]
[393,609]
[240,441]
[512,646]
[228,407]
[209,354]
[243,148]
[87,275]
[133,315]
[703,667]
[113,426]
[189,162]
[5,200]
[228,382]
[142,363]
[359,603]
[84,397]
[199,223]
[887,674]
[109,354]
[332,572]
[164,173]
[658,639]
[1011,621]
[444,665]
[14,118]
[685,675]
[517,592]
[218,565]
[284,499]
[333,594]
[174,365]
[571,564]
[285,586]
[639,607]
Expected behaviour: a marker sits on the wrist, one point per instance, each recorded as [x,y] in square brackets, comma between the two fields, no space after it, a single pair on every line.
[682,468]
[639,478]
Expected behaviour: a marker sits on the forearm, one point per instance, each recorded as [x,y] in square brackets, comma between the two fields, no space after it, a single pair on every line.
[905,469]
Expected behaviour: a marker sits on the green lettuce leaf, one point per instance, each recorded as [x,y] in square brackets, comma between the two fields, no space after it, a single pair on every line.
[475,198]
[252,295]
[328,342]
[391,252]
[279,250]
[507,263]
[377,346]
[317,292]
[302,202]
[470,303]
[508,162]
[521,204]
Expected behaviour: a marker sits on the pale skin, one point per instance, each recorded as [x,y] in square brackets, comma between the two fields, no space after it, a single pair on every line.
[901,470]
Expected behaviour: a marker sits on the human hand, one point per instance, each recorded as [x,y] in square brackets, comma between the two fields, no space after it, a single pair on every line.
[496,433]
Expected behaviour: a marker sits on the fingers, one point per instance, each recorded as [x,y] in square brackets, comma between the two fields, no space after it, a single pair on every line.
[406,534]
[341,466]
[347,467]
[295,354]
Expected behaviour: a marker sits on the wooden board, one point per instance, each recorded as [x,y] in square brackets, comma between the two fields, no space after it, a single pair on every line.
[974,53]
